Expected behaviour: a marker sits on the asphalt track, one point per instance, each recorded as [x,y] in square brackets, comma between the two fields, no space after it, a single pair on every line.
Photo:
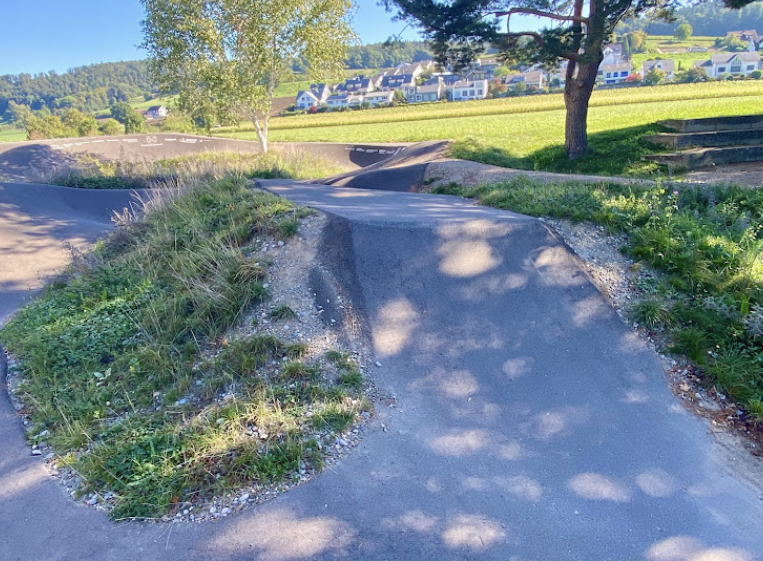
[19,160]
[531,424]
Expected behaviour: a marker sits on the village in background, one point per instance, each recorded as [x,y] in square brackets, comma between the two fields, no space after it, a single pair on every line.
[425,81]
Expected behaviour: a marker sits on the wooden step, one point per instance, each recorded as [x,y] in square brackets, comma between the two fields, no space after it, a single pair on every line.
[711,124]
[708,157]
[679,140]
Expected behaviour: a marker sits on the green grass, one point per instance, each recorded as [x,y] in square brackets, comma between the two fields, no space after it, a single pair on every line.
[290,89]
[708,243]
[91,173]
[127,357]
[9,134]
[528,132]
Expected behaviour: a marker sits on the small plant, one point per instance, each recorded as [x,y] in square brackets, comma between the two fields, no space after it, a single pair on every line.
[341,360]
[651,312]
[295,370]
[296,350]
[282,312]
[352,379]
[288,228]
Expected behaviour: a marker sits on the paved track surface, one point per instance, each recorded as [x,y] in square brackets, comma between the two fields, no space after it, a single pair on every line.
[530,423]
[20,160]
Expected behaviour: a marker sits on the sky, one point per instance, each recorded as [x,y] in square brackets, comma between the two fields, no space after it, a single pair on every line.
[43,35]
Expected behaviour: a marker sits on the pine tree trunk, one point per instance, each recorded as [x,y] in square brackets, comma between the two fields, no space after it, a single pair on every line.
[581,79]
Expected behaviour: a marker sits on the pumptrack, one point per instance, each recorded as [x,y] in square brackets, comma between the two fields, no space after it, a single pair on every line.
[531,423]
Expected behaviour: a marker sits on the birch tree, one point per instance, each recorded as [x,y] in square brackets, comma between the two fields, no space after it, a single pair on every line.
[230,55]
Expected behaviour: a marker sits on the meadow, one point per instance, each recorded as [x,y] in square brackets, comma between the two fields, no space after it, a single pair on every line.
[528,132]
[10,134]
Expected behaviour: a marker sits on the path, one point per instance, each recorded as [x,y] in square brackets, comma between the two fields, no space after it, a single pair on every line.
[530,423]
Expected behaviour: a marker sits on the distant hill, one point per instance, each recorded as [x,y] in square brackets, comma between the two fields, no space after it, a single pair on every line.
[706,18]
[87,88]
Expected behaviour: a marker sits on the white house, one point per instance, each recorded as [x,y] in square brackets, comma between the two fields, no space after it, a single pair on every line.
[667,66]
[614,73]
[314,97]
[377,98]
[613,53]
[468,90]
[338,101]
[156,112]
[730,63]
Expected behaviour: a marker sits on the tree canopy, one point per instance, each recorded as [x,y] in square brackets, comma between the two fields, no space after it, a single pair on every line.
[229,55]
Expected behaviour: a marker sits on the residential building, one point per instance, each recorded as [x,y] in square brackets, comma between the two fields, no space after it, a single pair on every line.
[469,90]
[314,97]
[668,66]
[415,69]
[613,53]
[156,112]
[357,85]
[447,78]
[379,98]
[344,100]
[425,94]
[614,73]
[749,36]
[735,64]
[397,82]
[534,79]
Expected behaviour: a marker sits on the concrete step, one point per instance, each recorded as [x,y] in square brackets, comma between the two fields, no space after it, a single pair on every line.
[708,157]
[714,123]
[679,140]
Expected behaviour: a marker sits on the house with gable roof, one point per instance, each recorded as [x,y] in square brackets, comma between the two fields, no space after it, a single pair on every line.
[735,64]
[749,36]
[469,90]
[667,66]
[314,97]
[397,82]
[534,79]
[614,73]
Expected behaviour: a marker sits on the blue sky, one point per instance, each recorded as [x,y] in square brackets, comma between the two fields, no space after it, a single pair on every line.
[42,35]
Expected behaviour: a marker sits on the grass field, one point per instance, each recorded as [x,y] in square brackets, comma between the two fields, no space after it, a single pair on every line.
[666,41]
[8,134]
[528,132]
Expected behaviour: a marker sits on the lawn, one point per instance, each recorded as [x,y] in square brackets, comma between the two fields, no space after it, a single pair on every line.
[9,134]
[528,132]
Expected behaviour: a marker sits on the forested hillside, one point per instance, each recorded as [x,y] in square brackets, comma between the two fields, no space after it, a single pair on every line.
[87,88]
[706,18]
[382,55]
